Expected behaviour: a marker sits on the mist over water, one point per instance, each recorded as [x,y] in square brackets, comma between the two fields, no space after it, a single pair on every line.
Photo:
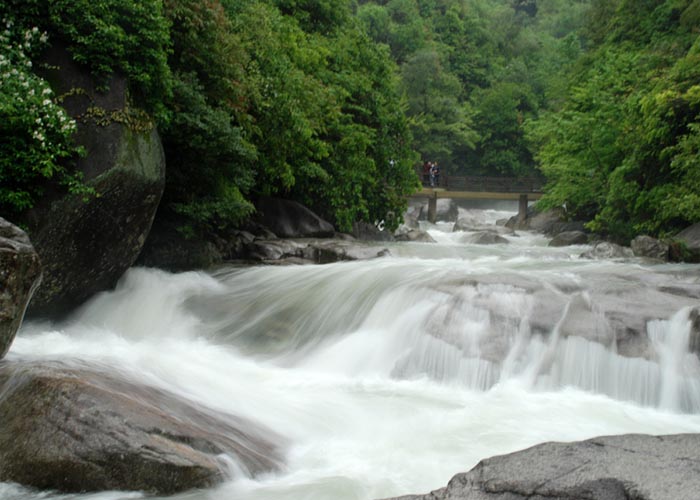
[387,377]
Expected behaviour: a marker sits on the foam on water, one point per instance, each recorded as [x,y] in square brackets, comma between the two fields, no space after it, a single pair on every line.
[388,376]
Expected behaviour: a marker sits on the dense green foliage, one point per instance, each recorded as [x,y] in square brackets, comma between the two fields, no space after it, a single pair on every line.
[623,149]
[252,98]
[332,103]
[474,71]
[36,132]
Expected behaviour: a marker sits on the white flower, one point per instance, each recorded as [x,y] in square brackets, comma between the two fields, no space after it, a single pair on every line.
[46,91]
[46,102]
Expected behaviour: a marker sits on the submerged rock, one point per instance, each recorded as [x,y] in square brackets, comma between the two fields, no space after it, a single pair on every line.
[20,274]
[485,238]
[83,430]
[624,467]
[414,235]
[607,250]
[471,224]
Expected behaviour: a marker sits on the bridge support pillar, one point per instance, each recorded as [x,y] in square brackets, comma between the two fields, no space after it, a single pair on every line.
[432,208]
[522,208]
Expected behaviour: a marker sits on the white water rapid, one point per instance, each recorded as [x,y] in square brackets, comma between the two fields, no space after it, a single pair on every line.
[389,376]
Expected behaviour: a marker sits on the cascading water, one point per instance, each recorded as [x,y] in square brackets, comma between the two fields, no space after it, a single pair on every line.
[389,376]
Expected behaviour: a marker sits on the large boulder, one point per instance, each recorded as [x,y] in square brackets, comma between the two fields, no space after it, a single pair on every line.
[535,220]
[289,219]
[690,238]
[78,430]
[646,246]
[86,245]
[606,468]
[20,274]
[569,238]
[365,231]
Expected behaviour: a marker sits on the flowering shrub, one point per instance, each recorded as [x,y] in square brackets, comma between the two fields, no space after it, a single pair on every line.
[36,131]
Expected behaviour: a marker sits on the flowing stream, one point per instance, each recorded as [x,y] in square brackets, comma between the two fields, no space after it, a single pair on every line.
[388,376]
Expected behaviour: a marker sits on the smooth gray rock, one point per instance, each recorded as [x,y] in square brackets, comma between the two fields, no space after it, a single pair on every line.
[289,219]
[646,246]
[78,429]
[627,467]
[568,238]
[20,275]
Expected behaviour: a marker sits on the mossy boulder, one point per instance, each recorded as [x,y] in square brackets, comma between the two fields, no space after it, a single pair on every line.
[86,244]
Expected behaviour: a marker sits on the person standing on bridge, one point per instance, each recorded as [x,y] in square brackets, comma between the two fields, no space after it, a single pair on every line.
[434,175]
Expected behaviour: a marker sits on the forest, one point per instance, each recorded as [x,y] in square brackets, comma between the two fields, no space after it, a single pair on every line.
[333,103]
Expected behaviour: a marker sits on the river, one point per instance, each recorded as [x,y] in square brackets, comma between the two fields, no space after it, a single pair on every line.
[388,376]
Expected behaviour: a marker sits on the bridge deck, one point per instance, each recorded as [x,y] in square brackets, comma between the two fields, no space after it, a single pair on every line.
[428,192]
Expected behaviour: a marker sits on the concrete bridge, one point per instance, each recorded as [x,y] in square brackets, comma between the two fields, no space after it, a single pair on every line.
[522,189]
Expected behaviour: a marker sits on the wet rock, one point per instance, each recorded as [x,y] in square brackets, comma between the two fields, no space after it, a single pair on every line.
[471,224]
[690,238]
[413,215]
[324,252]
[604,468]
[85,246]
[266,250]
[568,238]
[414,235]
[447,210]
[646,246]
[607,250]
[311,251]
[364,231]
[83,430]
[484,238]
[289,219]
[537,221]
[564,226]
[20,275]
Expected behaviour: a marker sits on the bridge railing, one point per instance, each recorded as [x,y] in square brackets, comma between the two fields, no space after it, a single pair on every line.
[491,184]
